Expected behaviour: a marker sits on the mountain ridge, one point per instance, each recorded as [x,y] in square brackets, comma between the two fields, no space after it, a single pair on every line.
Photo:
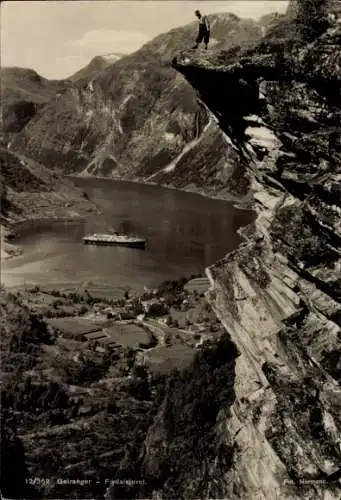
[23,93]
[95,66]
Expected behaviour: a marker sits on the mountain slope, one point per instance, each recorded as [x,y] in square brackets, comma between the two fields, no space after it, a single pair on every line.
[23,93]
[30,191]
[95,66]
[117,126]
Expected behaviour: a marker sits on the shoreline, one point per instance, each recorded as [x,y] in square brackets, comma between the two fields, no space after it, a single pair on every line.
[23,223]
[242,204]
[9,249]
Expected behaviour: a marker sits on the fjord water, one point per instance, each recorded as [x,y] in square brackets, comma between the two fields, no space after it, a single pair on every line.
[186,232]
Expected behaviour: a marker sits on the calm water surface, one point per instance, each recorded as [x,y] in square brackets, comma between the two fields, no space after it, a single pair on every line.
[185,232]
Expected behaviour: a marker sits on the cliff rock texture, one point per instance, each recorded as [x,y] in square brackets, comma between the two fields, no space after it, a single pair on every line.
[279,293]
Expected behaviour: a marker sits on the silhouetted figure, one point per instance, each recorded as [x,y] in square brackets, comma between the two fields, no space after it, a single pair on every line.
[204,30]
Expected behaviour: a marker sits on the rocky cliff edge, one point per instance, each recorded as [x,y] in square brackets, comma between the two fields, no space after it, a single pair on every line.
[279,293]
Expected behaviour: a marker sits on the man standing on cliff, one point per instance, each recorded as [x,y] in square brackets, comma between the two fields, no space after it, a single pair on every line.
[204,30]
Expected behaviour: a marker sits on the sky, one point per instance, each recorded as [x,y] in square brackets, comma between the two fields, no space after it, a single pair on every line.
[56,38]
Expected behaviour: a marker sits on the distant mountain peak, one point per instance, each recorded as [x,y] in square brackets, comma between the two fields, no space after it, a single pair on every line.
[112,55]
[96,65]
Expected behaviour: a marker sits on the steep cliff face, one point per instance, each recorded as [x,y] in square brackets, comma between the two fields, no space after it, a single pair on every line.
[279,293]
[114,123]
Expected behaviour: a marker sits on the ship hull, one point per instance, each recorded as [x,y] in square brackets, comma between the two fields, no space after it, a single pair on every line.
[131,244]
